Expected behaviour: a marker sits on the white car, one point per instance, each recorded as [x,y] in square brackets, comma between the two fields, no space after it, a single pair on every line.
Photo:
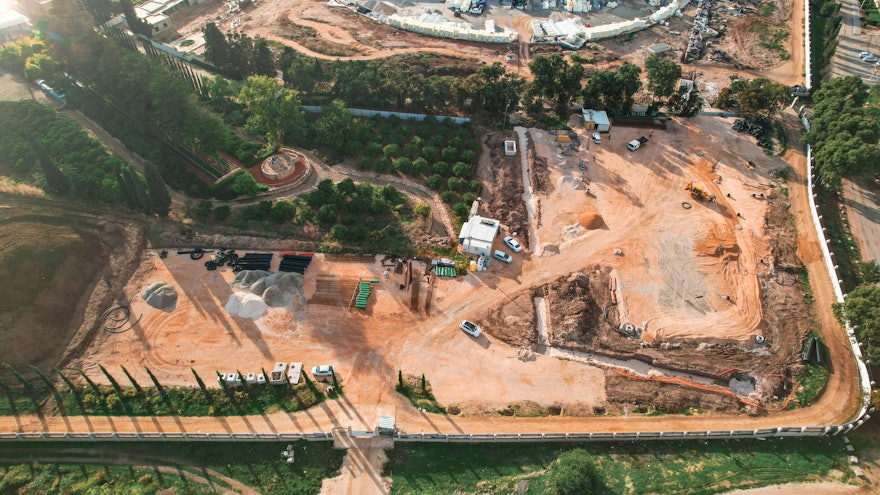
[513,244]
[469,328]
[597,138]
[502,256]
[864,55]
[322,371]
[870,59]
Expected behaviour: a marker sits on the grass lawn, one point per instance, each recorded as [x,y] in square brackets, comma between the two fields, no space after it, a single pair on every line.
[687,468]
[256,464]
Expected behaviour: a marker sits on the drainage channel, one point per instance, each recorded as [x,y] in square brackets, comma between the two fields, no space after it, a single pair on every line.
[633,366]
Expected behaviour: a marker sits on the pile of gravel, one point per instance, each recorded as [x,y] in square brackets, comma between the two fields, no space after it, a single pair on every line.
[244,305]
[160,295]
[260,289]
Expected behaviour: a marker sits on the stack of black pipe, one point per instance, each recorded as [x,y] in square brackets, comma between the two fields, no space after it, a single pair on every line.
[253,261]
[296,263]
[814,351]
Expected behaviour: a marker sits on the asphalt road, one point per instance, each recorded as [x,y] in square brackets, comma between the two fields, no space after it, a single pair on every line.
[852,40]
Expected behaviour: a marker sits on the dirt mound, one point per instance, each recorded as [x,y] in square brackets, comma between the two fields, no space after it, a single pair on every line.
[591,221]
[502,176]
[54,290]
[785,235]
[573,311]
[513,321]
[719,243]
[570,182]
[635,395]
[160,295]
[549,250]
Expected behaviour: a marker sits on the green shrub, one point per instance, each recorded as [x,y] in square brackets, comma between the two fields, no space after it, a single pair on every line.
[574,474]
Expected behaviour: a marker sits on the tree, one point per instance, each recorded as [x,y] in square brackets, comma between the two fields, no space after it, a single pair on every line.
[556,80]
[757,98]
[844,131]
[869,272]
[56,182]
[422,209]
[574,474]
[41,66]
[498,90]
[216,46]
[134,22]
[283,211]
[263,61]
[686,103]
[160,200]
[862,308]
[245,185]
[339,130]
[273,112]
[613,90]
[203,209]
[663,76]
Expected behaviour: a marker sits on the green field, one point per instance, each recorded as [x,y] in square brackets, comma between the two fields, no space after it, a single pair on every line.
[683,468]
[147,467]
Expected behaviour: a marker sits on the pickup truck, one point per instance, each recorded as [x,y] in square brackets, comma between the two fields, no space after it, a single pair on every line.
[637,143]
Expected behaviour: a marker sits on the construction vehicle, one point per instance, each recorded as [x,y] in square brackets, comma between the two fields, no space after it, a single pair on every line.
[698,192]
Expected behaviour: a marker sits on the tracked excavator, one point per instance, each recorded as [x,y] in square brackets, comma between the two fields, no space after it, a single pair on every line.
[698,192]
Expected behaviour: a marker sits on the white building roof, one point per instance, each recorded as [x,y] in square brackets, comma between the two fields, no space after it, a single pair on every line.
[478,228]
[600,117]
[11,18]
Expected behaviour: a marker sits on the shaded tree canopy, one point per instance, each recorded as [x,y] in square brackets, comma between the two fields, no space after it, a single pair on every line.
[862,308]
[556,80]
[754,99]
[844,131]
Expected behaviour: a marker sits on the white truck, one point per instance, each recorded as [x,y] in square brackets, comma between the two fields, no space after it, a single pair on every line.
[637,143]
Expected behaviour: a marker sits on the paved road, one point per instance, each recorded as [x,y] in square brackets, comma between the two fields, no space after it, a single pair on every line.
[852,40]
[864,217]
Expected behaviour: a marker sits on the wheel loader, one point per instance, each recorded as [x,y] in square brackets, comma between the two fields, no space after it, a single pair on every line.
[698,192]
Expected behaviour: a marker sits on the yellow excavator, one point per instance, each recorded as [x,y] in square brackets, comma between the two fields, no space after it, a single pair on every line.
[698,192]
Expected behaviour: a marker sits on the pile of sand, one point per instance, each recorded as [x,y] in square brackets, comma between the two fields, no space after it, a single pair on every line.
[591,221]
[160,295]
[244,305]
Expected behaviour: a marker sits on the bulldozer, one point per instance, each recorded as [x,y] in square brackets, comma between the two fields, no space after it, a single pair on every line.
[698,192]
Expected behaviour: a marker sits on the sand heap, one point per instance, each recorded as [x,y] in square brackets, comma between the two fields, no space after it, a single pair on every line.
[260,289]
[591,221]
[160,295]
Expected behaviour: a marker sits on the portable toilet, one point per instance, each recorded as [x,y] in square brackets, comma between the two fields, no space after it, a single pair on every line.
[276,377]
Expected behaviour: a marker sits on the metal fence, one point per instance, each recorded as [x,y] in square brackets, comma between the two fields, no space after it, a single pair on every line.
[360,112]
[160,436]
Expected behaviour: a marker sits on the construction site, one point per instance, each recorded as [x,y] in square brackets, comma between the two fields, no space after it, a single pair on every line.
[662,279]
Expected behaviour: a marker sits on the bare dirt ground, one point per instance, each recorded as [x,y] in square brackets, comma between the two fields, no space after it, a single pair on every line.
[699,284]
[55,292]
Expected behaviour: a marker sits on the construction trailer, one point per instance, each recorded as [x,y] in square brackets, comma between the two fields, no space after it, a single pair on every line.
[596,120]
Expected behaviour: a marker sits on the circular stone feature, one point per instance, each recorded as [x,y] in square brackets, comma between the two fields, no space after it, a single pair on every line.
[284,164]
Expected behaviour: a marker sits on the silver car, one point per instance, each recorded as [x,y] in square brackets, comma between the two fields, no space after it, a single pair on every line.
[323,371]
[469,328]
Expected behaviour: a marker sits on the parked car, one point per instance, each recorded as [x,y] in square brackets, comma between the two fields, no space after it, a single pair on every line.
[513,244]
[597,138]
[470,328]
[502,256]
[322,371]
[864,55]
[870,59]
